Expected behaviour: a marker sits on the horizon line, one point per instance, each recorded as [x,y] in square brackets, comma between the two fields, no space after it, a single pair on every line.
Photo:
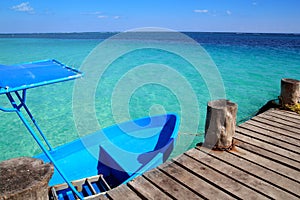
[79,32]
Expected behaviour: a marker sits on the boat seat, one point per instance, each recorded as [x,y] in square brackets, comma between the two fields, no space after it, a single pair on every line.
[124,164]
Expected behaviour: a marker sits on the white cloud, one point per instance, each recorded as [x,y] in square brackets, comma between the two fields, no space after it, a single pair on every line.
[23,7]
[91,13]
[201,11]
[102,16]
[228,12]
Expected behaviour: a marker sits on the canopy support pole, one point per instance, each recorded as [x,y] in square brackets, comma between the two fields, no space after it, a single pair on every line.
[23,104]
[16,109]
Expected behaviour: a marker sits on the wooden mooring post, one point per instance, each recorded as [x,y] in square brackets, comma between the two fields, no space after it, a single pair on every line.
[220,124]
[25,178]
[290,92]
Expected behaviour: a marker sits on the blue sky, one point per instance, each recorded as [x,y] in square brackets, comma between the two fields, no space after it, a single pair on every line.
[38,16]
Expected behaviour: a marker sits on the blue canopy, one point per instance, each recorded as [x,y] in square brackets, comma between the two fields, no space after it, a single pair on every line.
[29,75]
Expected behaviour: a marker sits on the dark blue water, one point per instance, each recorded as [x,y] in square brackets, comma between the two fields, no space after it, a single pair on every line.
[251,39]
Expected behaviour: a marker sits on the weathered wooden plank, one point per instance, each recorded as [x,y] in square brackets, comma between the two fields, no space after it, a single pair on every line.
[275,124]
[169,185]
[268,154]
[122,192]
[275,129]
[264,164]
[267,163]
[258,171]
[269,140]
[271,133]
[275,119]
[286,113]
[148,190]
[219,180]
[270,147]
[283,117]
[195,183]
[245,178]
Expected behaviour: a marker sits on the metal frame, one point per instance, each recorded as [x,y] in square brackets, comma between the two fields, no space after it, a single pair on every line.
[17,108]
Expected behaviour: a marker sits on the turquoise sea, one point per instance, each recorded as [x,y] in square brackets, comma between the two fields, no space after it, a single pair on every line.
[250,66]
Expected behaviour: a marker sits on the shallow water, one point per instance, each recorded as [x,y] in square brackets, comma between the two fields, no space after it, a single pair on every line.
[250,65]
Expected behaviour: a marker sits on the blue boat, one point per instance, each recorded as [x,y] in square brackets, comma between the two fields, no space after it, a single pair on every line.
[97,162]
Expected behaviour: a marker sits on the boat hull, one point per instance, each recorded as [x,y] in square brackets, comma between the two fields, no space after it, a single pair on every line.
[118,153]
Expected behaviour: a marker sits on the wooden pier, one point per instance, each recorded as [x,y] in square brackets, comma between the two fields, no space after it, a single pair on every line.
[265,164]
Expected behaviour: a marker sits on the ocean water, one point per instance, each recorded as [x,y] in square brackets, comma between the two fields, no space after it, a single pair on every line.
[144,81]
